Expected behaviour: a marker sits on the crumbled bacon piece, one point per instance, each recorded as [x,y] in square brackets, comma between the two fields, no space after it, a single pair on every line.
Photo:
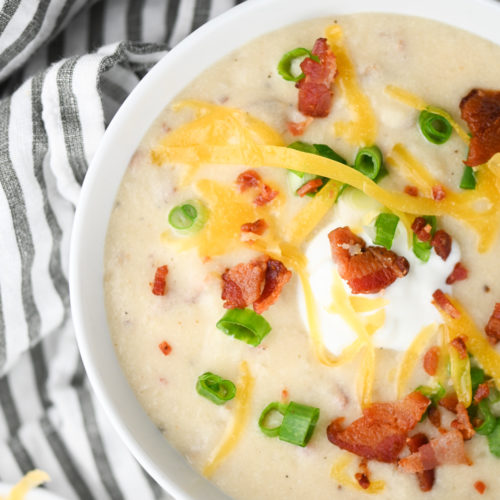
[447,448]
[248,179]
[492,328]
[363,476]
[310,187]
[434,416]
[160,281]
[441,241]
[459,273]
[445,304]
[315,92]
[450,402]
[426,477]
[482,391]
[438,192]
[411,190]
[165,348]
[258,282]
[256,227]
[380,434]
[277,276]
[458,343]
[481,110]
[422,229]
[298,128]
[267,194]
[366,269]
[431,360]
[480,487]
[462,422]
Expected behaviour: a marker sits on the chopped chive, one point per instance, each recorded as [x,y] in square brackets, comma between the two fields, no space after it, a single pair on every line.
[435,394]
[215,388]
[422,249]
[297,425]
[327,152]
[468,180]
[369,162]
[188,217]
[435,128]
[285,64]
[245,325]
[489,420]
[385,225]
[494,440]
[476,377]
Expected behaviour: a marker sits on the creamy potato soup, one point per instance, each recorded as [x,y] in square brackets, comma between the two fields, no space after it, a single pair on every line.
[301,276]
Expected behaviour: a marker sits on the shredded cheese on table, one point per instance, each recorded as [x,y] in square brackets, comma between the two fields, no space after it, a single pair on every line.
[244,390]
[339,473]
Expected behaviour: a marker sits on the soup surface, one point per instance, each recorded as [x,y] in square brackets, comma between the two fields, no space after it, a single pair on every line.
[304,357]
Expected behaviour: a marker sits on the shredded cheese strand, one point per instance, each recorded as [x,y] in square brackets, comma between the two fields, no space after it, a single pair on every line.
[411,356]
[367,304]
[244,390]
[362,129]
[31,480]
[339,473]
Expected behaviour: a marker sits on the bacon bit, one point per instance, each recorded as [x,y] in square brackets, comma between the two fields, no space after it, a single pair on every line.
[310,187]
[258,282]
[165,348]
[160,281]
[492,328]
[441,241]
[266,195]
[458,343]
[459,273]
[422,229]
[445,304]
[450,402]
[277,276]
[481,110]
[447,448]
[480,487]
[315,93]
[366,269]
[248,179]
[431,360]
[284,395]
[482,391]
[380,434]
[363,476]
[462,422]
[434,416]
[256,227]
[411,190]
[298,128]
[438,192]
[425,478]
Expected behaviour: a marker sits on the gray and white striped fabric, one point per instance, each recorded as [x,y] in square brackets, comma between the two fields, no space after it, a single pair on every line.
[65,68]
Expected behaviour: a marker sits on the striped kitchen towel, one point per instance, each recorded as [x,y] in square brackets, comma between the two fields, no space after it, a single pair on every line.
[65,68]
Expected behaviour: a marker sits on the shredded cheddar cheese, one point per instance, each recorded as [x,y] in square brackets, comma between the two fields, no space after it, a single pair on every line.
[31,480]
[362,129]
[340,474]
[244,390]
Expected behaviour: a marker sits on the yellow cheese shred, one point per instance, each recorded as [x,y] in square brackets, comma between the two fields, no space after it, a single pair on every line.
[339,473]
[411,356]
[244,390]
[417,102]
[31,480]
[362,129]
[367,304]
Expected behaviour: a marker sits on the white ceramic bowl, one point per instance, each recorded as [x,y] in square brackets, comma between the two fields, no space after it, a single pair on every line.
[194,54]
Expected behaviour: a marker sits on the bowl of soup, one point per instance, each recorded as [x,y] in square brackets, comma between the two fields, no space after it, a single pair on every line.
[284,260]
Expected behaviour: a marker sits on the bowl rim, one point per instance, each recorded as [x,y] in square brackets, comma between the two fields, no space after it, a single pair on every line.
[111,159]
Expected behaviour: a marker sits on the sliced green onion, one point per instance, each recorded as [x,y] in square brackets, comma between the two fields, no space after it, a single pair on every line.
[285,64]
[245,325]
[494,440]
[435,394]
[215,388]
[385,225]
[327,152]
[297,425]
[435,128]
[369,162]
[476,377]
[489,421]
[422,249]
[188,217]
[265,415]
[468,180]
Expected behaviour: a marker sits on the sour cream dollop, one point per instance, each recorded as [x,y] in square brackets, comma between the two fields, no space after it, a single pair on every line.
[408,300]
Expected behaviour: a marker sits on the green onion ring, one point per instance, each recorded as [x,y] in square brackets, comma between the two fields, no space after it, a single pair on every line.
[369,162]
[271,407]
[435,128]
[385,225]
[285,64]
[245,325]
[215,388]
[422,249]
[468,180]
[188,217]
